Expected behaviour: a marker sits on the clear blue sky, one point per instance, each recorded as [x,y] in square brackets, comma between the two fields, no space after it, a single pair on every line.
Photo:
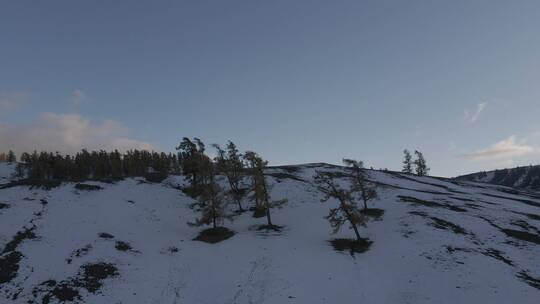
[296,81]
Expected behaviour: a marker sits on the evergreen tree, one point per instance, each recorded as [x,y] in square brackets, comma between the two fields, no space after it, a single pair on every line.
[420,164]
[259,187]
[407,162]
[210,200]
[347,210]
[192,159]
[360,184]
[11,158]
[231,165]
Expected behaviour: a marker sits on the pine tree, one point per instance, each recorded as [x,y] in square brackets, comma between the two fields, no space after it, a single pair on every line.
[192,159]
[407,162]
[11,158]
[360,184]
[347,210]
[210,200]
[420,164]
[259,187]
[231,165]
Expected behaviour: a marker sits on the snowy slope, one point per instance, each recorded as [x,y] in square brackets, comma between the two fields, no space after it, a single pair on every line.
[6,171]
[438,241]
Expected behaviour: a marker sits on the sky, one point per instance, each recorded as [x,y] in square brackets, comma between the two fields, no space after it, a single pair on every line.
[296,81]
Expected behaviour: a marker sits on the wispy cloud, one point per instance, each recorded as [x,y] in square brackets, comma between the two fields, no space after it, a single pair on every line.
[67,133]
[472,117]
[508,148]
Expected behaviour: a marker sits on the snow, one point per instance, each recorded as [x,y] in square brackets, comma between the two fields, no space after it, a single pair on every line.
[6,171]
[408,261]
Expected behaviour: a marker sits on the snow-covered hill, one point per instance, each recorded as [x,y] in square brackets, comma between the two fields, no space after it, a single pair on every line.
[438,241]
[521,177]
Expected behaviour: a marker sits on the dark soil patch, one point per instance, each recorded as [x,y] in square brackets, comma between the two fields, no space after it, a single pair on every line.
[63,292]
[90,277]
[276,228]
[214,235]
[494,253]
[351,245]
[441,224]
[528,202]
[525,277]
[473,206]
[452,249]
[86,187]
[123,246]
[43,202]
[155,177]
[130,201]
[490,252]
[94,274]
[173,249]
[522,235]
[34,183]
[26,234]
[79,253]
[283,175]
[446,225]
[531,216]
[373,213]
[524,225]
[9,266]
[417,201]
[463,199]
[4,206]
[105,235]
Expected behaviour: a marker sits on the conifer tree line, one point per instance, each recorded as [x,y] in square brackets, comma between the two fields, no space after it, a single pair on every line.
[9,157]
[417,166]
[95,165]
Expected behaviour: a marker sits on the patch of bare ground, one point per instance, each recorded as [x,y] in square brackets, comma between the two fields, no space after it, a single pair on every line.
[353,246]
[9,266]
[373,213]
[87,187]
[124,246]
[4,206]
[105,235]
[442,224]
[490,252]
[90,278]
[214,235]
[432,204]
[79,253]
[531,281]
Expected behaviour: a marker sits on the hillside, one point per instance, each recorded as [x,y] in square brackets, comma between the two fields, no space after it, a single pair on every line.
[438,241]
[521,177]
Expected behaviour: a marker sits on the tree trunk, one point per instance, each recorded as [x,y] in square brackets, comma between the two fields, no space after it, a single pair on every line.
[239,201]
[356,231]
[349,218]
[365,205]
[268,218]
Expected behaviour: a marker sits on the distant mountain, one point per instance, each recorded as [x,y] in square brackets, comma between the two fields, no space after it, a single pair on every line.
[521,177]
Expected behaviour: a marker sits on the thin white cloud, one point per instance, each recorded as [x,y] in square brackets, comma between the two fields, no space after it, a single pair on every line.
[508,148]
[67,133]
[472,117]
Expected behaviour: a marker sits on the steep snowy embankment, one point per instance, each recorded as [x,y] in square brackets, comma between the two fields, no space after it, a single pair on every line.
[437,242]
